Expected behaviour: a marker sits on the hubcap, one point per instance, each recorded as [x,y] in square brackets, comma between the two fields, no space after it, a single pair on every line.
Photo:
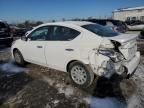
[17,57]
[79,75]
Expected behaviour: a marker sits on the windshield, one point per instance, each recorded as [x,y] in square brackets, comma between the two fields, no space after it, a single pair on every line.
[101,30]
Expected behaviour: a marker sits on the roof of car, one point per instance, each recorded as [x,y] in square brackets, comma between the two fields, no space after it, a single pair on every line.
[79,23]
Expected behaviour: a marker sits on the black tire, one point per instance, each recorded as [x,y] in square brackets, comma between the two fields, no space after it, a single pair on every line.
[88,72]
[21,61]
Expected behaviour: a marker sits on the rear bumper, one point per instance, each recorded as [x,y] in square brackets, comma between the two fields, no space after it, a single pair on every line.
[133,63]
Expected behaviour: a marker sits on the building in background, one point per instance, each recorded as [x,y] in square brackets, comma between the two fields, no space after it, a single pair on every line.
[129,14]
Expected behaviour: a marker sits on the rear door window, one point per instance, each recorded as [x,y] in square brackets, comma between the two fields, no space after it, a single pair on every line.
[61,33]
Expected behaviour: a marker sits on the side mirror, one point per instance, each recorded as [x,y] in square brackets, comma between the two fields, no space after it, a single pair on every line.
[24,38]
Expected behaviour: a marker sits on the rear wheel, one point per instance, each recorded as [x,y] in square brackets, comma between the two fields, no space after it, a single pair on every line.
[80,74]
[18,58]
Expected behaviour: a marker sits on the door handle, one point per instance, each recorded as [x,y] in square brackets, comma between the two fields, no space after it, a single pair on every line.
[39,47]
[69,49]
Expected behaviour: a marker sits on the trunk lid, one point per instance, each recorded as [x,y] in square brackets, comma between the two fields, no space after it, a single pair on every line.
[128,44]
[123,38]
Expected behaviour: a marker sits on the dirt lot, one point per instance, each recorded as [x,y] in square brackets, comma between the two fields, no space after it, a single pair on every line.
[39,87]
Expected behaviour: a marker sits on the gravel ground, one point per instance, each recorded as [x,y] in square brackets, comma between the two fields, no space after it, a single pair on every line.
[34,86]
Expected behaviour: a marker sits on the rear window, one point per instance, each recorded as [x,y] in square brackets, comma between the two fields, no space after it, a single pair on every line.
[101,30]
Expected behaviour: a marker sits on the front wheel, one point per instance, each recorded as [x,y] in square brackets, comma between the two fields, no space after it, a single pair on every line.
[18,58]
[81,74]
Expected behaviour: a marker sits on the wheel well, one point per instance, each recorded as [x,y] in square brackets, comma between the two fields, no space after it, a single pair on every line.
[14,49]
[67,68]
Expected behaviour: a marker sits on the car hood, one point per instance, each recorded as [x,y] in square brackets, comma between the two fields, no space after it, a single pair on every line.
[123,38]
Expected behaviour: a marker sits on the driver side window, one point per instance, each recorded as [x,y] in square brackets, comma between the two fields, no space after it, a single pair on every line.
[39,34]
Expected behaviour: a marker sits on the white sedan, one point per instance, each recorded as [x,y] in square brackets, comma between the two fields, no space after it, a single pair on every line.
[82,49]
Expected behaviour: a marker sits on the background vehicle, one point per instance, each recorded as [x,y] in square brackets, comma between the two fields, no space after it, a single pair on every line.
[116,25]
[5,36]
[135,25]
[83,49]
[141,35]
[18,32]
